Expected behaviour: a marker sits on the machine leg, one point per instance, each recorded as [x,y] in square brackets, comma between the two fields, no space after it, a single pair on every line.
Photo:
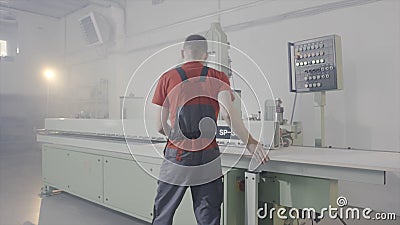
[46,190]
[251,197]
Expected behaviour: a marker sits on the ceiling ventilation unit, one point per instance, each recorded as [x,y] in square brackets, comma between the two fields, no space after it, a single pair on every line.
[95,28]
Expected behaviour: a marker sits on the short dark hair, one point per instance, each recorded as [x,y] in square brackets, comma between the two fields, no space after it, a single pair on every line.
[197,44]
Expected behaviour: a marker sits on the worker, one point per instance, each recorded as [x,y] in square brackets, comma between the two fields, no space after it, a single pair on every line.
[191,97]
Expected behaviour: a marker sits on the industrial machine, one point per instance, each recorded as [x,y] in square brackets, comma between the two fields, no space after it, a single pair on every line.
[96,160]
[273,130]
[218,47]
[117,166]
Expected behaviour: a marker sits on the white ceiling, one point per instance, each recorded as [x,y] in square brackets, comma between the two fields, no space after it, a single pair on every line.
[52,8]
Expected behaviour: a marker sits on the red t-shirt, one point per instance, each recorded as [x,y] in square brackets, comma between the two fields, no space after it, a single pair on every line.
[169,94]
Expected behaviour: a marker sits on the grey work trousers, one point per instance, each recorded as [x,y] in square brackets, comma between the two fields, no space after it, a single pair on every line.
[207,197]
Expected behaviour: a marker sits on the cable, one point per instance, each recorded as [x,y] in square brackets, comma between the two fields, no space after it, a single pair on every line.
[293,108]
[219,10]
[341,220]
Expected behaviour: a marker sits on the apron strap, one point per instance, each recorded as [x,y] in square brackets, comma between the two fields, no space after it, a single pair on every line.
[203,74]
[182,74]
[184,77]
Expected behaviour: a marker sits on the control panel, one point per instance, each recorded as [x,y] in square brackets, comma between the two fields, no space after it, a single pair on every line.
[316,64]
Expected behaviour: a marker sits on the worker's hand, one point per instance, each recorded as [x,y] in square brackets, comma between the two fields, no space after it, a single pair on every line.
[258,152]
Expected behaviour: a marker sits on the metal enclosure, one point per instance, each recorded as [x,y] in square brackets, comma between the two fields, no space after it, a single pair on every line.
[315,65]
[112,180]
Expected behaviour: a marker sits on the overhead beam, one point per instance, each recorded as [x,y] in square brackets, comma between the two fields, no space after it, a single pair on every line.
[27,11]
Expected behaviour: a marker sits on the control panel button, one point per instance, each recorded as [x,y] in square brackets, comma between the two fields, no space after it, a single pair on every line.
[297,64]
[331,67]
[322,69]
[322,60]
[314,84]
[313,62]
[305,78]
[314,77]
[327,76]
[317,61]
[306,85]
[323,76]
[305,63]
[301,63]
[318,84]
[318,77]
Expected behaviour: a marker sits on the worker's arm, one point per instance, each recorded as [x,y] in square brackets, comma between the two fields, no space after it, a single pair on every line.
[162,125]
[234,120]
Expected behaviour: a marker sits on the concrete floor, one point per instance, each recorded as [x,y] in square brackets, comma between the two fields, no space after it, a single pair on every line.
[20,204]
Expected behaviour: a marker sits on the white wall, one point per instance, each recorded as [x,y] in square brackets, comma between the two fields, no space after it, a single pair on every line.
[23,89]
[364,115]
[40,41]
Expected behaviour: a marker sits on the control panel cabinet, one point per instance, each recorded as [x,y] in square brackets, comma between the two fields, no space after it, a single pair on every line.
[315,65]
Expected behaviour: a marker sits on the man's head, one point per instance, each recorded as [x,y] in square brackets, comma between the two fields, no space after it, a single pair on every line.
[195,48]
